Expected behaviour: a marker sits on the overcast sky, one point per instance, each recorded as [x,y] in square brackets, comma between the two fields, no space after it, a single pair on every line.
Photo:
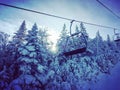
[83,10]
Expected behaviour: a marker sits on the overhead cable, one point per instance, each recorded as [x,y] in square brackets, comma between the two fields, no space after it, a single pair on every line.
[51,15]
[108,9]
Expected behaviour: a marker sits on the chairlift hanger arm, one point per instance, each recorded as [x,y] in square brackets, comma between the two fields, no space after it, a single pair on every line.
[77,32]
[71,23]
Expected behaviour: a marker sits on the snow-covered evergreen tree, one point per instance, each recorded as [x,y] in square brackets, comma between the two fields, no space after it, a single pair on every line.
[46,44]
[3,44]
[97,44]
[17,41]
[11,55]
[34,59]
[82,38]
[3,54]
[62,40]
[20,35]
[27,63]
[3,40]
[30,52]
[83,30]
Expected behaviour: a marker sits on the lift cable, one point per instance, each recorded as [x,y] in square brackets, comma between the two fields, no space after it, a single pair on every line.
[51,15]
[108,9]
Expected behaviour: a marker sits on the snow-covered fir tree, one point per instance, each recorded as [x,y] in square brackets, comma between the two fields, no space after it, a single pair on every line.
[3,40]
[20,35]
[3,44]
[27,63]
[33,60]
[11,65]
[17,40]
[62,40]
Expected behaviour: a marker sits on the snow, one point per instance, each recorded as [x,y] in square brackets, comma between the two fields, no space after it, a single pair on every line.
[23,79]
[24,52]
[53,86]
[109,82]
[28,78]
[32,54]
[28,60]
[16,87]
[26,63]
[50,74]
[30,48]
[40,68]
[20,49]
[65,86]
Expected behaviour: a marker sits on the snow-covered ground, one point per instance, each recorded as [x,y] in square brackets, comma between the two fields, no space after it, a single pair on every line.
[109,82]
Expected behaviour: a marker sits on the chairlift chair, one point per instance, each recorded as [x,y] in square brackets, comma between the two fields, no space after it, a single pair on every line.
[116,36]
[80,49]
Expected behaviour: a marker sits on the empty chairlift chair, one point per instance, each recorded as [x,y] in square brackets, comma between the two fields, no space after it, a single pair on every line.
[82,41]
[116,36]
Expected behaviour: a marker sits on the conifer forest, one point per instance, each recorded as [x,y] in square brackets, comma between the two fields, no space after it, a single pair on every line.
[26,62]
[59,44]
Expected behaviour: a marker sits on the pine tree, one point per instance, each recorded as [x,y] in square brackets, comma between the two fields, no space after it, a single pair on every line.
[3,40]
[11,55]
[97,45]
[83,30]
[12,50]
[84,36]
[42,34]
[3,44]
[20,35]
[34,58]
[62,42]
[17,41]
[46,45]
[64,32]
[30,51]
[108,39]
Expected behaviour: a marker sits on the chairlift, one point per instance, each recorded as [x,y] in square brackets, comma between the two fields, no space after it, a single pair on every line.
[116,36]
[79,50]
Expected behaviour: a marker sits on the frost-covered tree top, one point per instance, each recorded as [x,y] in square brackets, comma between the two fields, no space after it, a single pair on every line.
[83,30]
[77,29]
[32,34]
[63,32]
[62,40]
[98,36]
[32,44]
[43,37]
[3,38]
[108,38]
[20,35]
[34,30]
[109,42]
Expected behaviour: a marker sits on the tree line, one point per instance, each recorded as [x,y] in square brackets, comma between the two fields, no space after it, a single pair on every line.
[26,61]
